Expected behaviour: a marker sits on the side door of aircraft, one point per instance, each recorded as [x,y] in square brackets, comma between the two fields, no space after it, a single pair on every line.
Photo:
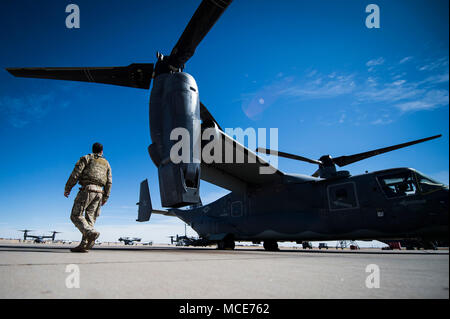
[343,206]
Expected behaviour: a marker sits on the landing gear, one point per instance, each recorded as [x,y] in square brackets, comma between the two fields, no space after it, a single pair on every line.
[226,243]
[429,245]
[270,245]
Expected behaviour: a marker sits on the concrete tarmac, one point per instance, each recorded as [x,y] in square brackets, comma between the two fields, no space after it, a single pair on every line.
[47,271]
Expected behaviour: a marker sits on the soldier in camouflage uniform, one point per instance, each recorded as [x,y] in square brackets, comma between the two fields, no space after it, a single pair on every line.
[93,173]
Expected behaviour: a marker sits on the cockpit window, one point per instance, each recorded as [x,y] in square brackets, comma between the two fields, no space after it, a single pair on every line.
[427,184]
[398,185]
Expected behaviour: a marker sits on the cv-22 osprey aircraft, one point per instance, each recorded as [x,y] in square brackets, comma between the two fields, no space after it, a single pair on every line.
[38,239]
[189,241]
[129,240]
[330,205]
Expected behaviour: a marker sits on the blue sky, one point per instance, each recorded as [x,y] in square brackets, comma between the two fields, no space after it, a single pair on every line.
[309,68]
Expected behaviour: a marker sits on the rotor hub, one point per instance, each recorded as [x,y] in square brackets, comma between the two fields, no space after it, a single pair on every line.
[163,65]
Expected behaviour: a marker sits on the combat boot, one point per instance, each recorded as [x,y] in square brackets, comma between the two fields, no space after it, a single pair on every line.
[91,238]
[81,248]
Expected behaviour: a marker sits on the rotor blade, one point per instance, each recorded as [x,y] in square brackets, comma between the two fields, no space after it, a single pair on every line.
[287,155]
[206,15]
[135,75]
[345,160]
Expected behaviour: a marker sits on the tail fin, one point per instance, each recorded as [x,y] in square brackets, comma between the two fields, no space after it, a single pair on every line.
[145,209]
[145,203]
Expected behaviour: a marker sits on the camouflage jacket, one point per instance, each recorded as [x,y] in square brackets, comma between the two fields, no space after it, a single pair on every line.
[91,169]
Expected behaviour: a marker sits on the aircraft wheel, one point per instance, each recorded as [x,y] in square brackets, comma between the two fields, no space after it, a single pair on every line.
[226,243]
[270,245]
[221,245]
[230,244]
[430,245]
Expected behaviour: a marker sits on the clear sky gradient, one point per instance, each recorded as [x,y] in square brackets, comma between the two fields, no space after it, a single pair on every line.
[309,68]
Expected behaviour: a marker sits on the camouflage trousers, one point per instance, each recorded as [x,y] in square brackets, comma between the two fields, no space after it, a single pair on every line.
[85,210]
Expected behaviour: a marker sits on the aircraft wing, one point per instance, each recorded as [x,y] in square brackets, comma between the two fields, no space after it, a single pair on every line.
[234,175]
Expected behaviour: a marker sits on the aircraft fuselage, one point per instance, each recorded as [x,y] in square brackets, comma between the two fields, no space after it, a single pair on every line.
[357,207]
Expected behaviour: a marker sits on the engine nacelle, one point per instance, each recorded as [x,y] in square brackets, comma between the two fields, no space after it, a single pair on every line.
[174,104]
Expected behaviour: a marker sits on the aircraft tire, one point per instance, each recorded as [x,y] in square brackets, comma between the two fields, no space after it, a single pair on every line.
[230,244]
[221,245]
[270,245]
[429,245]
[226,243]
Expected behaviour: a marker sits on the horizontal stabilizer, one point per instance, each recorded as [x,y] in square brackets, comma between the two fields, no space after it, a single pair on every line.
[137,75]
